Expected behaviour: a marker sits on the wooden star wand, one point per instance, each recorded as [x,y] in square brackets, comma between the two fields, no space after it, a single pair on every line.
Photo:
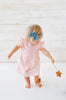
[58,73]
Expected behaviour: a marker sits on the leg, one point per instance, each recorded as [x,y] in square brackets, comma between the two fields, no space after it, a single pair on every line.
[28,82]
[37,80]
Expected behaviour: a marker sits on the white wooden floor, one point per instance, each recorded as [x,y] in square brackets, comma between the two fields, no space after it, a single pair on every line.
[12,84]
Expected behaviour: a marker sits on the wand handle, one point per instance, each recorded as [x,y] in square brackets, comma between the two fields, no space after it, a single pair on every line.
[55,66]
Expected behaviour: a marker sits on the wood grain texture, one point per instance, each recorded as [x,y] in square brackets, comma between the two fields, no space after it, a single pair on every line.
[17,15]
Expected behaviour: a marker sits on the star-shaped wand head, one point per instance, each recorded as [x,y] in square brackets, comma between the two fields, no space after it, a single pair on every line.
[58,73]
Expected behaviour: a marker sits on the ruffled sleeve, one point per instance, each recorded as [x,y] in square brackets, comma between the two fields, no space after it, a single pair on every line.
[42,44]
[21,42]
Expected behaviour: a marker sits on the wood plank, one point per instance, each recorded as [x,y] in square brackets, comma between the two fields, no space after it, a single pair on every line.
[51,45]
[58,57]
[46,36]
[50,31]
[18,19]
[57,51]
[43,4]
[25,14]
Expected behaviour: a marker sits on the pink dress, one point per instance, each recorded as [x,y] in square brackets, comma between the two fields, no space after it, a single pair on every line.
[29,62]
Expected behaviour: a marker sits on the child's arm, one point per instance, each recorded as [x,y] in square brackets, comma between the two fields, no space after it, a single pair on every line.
[46,53]
[14,50]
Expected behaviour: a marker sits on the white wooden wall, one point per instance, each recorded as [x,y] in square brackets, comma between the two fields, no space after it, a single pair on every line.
[17,15]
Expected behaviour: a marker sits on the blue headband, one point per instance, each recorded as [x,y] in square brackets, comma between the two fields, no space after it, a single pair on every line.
[33,34]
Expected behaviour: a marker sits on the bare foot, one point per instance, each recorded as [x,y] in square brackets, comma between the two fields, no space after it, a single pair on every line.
[27,82]
[27,86]
[39,85]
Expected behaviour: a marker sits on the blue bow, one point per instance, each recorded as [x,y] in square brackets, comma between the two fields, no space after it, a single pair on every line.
[33,34]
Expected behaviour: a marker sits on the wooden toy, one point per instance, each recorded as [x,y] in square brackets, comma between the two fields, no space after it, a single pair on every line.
[58,73]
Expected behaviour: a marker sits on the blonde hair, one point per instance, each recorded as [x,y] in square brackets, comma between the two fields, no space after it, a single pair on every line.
[34,28]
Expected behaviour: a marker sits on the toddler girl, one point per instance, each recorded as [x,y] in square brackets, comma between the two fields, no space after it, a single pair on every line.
[29,62]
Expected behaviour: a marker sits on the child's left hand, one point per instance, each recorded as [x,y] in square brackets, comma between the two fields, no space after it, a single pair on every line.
[9,55]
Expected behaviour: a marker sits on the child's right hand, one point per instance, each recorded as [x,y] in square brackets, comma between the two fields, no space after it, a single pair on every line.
[52,60]
[9,55]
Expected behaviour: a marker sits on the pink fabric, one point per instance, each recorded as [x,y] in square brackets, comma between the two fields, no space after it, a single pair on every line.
[29,62]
